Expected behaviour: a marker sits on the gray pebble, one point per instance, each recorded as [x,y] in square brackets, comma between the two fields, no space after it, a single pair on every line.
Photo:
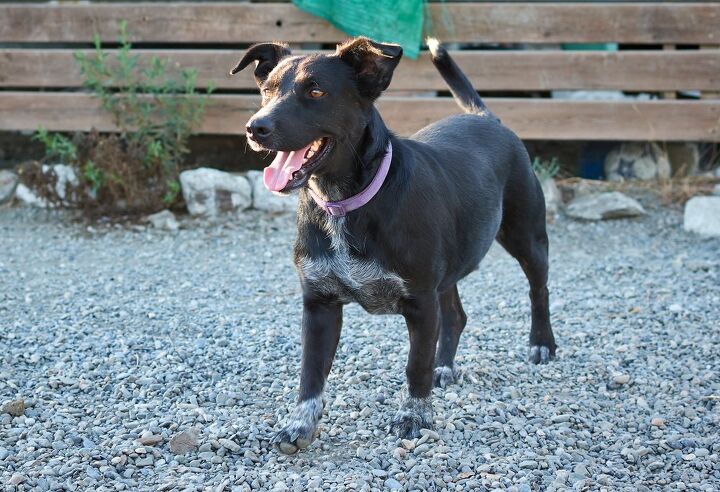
[392,484]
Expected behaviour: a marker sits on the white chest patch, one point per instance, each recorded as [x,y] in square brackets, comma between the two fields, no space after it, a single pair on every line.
[351,278]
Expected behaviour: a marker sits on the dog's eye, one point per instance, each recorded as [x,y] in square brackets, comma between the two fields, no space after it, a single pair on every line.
[316,93]
[266,92]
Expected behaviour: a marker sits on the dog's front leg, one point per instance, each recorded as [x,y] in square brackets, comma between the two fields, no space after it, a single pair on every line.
[422,315]
[321,323]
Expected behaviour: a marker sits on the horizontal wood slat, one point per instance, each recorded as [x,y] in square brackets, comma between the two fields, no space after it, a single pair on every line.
[530,118]
[155,22]
[464,22]
[488,70]
[594,22]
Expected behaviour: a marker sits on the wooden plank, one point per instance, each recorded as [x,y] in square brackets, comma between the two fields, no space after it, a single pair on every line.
[656,23]
[530,118]
[692,22]
[488,70]
[669,94]
[711,94]
[157,22]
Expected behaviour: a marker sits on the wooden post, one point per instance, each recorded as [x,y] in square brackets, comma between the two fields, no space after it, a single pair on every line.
[669,94]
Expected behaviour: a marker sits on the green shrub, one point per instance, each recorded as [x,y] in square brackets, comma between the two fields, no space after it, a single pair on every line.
[545,169]
[155,108]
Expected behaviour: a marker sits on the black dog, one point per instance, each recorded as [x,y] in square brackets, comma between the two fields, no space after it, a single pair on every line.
[451,189]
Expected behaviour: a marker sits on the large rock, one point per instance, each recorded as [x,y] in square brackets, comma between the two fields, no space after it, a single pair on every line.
[553,198]
[8,183]
[264,199]
[610,205]
[637,160]
[702,215]
[210,192]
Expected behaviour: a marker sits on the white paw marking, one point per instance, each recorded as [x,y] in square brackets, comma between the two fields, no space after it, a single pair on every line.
[300,427]
[413,415]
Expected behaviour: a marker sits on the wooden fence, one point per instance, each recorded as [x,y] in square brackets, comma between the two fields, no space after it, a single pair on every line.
[673,48]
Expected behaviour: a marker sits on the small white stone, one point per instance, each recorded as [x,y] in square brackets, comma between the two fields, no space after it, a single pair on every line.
[150,439]
[702,216]
[17,479]
[392,484]
[657,422]
[231,446]
[408,444]
[164,220]
[621,378]
[431,434]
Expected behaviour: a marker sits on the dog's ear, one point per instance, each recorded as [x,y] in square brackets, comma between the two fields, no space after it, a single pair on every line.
[266,57]
[373,63]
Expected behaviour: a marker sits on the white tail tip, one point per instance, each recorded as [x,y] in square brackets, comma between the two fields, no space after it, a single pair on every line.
[433,45]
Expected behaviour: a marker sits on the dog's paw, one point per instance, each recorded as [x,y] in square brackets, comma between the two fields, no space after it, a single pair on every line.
[444,376]
[299,431]
[414,414]
[540,354]
[293,437]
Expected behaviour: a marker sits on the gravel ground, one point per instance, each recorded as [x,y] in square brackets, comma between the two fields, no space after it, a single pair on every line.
[115,334]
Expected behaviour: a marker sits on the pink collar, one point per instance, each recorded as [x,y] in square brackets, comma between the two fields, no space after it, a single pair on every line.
[339,209]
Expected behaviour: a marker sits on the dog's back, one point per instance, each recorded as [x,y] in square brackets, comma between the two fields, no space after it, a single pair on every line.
[477,167]
[465,139]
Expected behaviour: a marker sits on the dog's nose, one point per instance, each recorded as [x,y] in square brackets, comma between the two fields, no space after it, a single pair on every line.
[259,128]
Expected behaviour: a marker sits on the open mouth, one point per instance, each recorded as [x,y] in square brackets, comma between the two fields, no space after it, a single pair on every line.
[291,170]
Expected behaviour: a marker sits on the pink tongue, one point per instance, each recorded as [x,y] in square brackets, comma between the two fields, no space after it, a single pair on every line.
[277,174]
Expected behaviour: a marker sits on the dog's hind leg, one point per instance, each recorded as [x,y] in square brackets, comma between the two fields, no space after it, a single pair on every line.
[422,315]
[321,325]
[453,320]
[523,235]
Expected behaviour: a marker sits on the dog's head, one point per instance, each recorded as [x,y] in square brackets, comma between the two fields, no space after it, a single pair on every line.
[312,104]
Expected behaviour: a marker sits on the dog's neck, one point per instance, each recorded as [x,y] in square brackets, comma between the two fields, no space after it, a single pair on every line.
[355,162]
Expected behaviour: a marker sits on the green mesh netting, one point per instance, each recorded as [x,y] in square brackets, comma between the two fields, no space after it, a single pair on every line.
[398,21]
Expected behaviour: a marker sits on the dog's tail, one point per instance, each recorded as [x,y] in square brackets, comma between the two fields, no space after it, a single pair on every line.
[465,94]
